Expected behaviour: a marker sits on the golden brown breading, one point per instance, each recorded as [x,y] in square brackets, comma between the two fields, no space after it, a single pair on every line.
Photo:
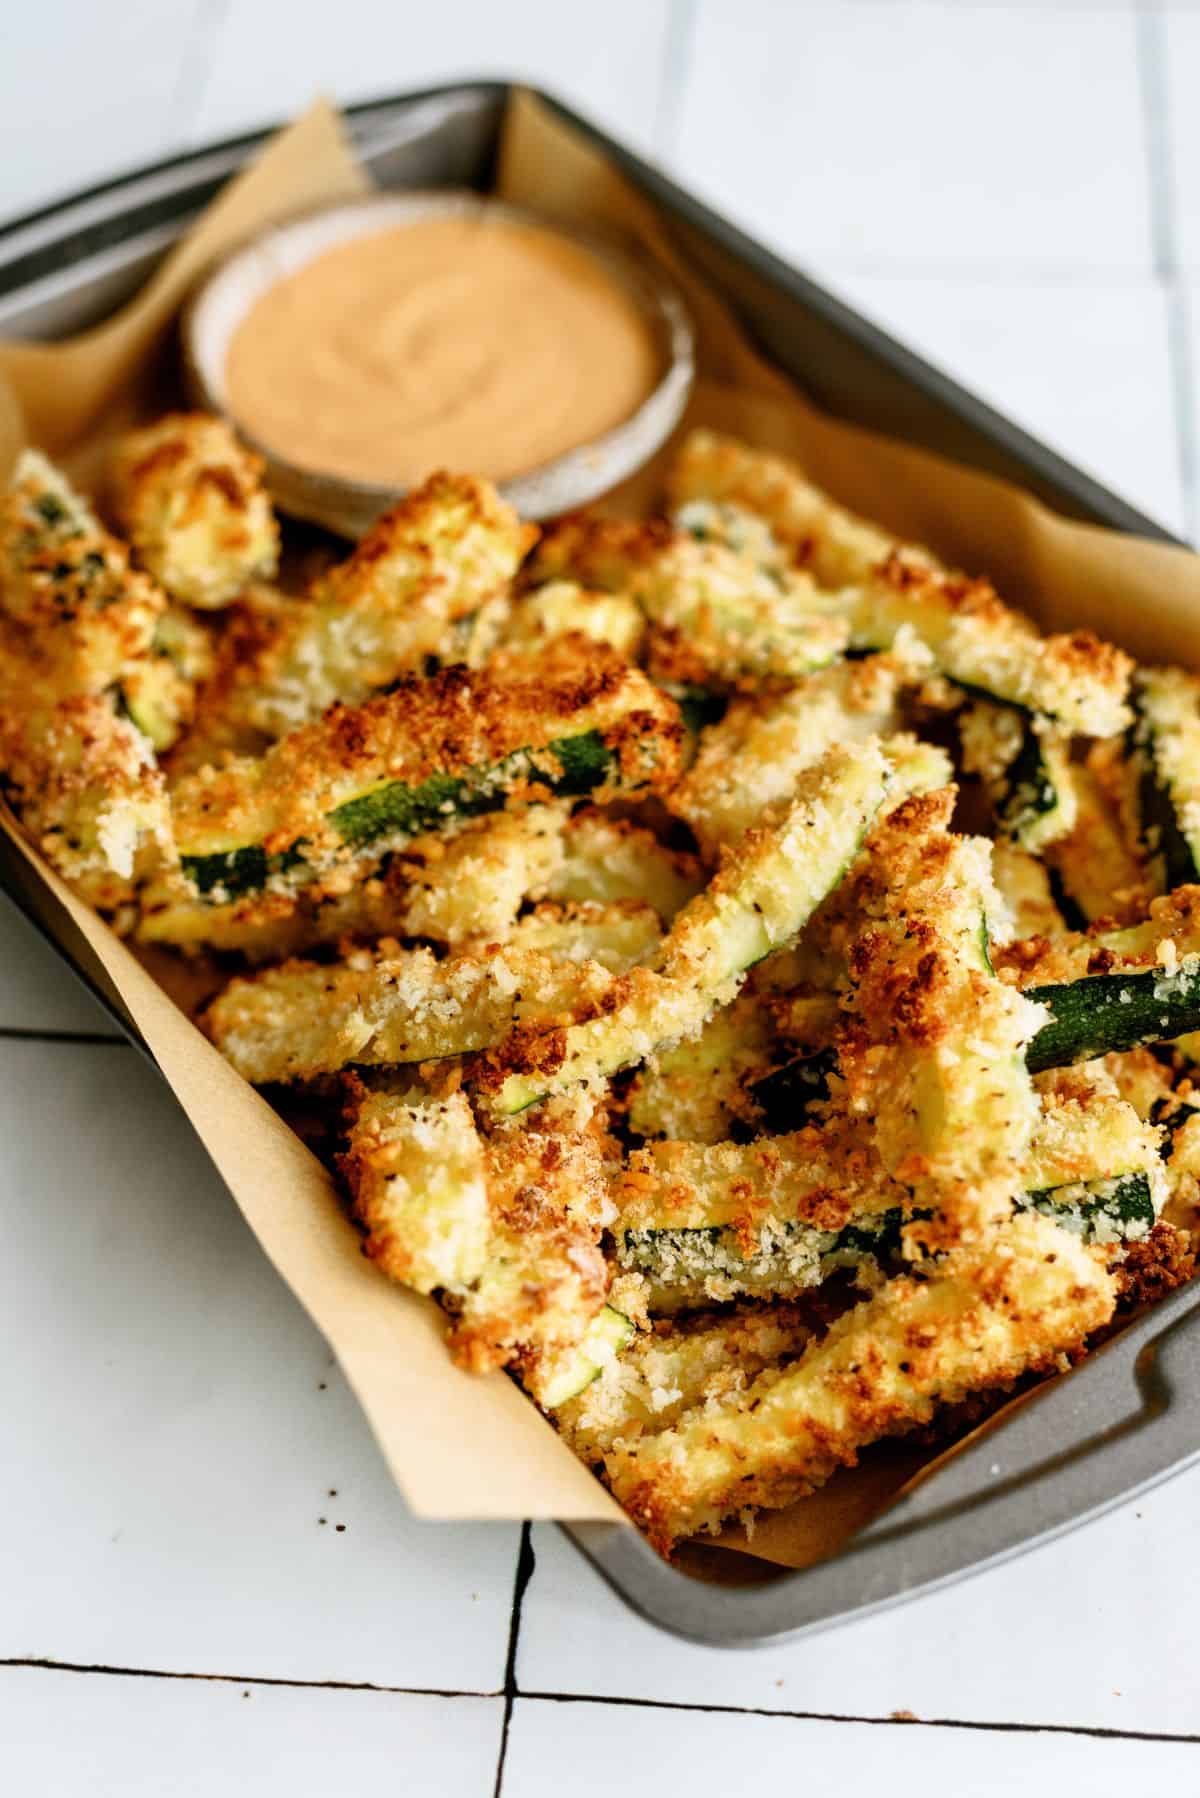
[450,889]
[451,723]
[414,588]
[716,619]
[1148,1270]
[191,501]
[390,1005]
[931,1052]
[545,1278]
[986,1318]
[813,529]
[84,785]
[81,614]
[1171,931]
[890,588]
[1099,862]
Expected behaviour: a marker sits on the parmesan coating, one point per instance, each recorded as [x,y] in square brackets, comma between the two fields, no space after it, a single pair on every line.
[715,617]
[409,592]
[81,616]
[1018,1305]
[390,1005]
[889,586]
[449,725]
[190,499]
[931,1052]
[84,785]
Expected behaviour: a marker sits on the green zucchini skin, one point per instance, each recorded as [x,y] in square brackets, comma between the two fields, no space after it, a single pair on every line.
[1114,1012]
[584,762]
[1029,790]
[1100,1015]
[1113,1210]
[1121,1202]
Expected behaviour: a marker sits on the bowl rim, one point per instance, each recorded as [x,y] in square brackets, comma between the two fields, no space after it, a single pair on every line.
[231,285]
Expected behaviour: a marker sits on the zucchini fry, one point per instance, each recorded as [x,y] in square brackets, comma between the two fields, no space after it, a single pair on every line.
[416,1171]
[190,499]
[453,890]
[932,1051]
[85,786]
[716,619]
[328,802]
[664,1373]
[813,530]
[1111,990]
[1017,1305]
[749,762]
[888,588]
[544,1281]
[775,1216]
[80,619]
[759,900]
[389,1006]
[1098,863]
[507,1229]
[1164,746]
[1025,766]
[414,589]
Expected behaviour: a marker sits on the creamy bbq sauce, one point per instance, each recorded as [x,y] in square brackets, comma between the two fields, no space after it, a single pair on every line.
[449,343]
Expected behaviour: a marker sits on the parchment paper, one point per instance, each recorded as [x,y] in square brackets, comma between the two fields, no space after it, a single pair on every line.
[457,1445]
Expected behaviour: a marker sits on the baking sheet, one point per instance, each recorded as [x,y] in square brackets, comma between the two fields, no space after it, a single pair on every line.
[459,1446]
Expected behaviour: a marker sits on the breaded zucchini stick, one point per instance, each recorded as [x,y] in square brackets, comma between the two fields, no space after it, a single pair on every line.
[761,898]
[415,588]
[325,804]
[749,761]
[190,499]
[449,889]
[1015,1306]
[85,786]
[1098,863]
[716,619]
[705,1223]
[386,1006]
[81,620]
[1113,990]
[507,1229]
[932,1051]
[889,588]
[666,1373]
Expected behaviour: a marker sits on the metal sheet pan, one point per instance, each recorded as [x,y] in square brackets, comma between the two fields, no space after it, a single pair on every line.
[1130,1416]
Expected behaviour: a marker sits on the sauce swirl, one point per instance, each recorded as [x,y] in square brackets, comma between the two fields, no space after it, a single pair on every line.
[477,342]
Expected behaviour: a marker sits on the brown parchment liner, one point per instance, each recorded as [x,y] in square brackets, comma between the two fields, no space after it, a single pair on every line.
[461,1446]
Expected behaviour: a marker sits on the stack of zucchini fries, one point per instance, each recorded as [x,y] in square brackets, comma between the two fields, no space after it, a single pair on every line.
[736,964]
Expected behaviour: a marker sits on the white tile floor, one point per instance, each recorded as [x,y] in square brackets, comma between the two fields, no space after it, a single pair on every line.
[1015,190]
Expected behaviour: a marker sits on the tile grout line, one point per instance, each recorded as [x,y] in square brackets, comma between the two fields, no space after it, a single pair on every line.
[1149,28]
[676,67]
[524,1573]
[43,1665]
[525,1568]
[1098,1732]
